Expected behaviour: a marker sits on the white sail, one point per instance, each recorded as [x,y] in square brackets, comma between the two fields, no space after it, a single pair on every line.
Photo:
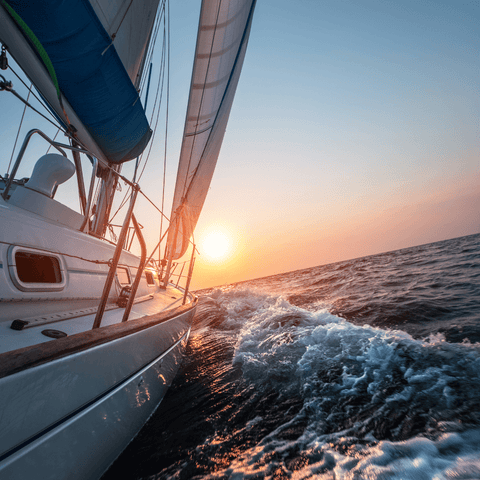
[221,44]
[129,25]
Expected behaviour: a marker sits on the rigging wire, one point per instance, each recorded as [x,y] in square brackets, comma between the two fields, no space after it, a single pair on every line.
[161,213]
[114,34]
[50,145]
[137,161]
[160,88]
[165,69]
[122,204]
[153,204]
[166,125]
[164,18]
[40,102]
[155,110]
[151,47]
[18,131]
[127,193]
[123,18]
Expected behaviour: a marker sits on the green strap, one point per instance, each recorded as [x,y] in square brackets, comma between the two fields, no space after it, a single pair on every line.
[36,43]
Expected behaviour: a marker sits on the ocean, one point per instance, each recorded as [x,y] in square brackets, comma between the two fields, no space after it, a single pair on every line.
[362,369]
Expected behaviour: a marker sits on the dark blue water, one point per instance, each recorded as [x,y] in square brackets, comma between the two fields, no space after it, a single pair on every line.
[362,369]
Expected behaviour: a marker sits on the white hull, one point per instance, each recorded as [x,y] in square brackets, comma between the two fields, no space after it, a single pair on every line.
[70,405]
[71,417]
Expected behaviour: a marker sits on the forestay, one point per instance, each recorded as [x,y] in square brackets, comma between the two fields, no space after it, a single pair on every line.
[221,44]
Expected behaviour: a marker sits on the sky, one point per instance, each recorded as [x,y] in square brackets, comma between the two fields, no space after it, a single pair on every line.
[354,131]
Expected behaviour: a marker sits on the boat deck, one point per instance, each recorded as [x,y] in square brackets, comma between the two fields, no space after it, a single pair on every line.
[76,318]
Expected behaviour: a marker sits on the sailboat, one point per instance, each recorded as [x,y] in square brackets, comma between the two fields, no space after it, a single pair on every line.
[92,334]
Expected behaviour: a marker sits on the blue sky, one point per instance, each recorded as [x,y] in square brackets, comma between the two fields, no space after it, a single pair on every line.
[349,116]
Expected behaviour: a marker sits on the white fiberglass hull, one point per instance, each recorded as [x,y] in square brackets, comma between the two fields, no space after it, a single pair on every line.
[71,417]
[72,396]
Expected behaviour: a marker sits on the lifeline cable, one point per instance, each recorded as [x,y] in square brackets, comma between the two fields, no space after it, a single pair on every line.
[43,56]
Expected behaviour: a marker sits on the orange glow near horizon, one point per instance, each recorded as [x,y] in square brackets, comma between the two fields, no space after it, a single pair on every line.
[216,244]
[222,254]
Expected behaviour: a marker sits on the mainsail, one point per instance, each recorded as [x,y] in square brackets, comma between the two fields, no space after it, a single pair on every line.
[85,58]
[221,44]
[129,24]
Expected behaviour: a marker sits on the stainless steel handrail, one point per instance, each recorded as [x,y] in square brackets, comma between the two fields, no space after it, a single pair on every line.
[115,259]
[141,266]
[61,148]
[22,152]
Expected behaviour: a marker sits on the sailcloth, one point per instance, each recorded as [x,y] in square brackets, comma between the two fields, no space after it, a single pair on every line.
[221,44]
[129,24]
[86,58]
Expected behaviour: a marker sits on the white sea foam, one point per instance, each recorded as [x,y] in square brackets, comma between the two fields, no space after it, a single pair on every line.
[353,381]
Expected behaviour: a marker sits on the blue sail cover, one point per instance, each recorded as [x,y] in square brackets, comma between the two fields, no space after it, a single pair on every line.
[90,74]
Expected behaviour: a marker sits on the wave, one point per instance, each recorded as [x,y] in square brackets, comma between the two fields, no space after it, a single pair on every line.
[354,401]
[363,369]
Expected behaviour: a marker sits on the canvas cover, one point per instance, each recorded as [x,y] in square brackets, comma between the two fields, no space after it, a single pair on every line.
[91,74]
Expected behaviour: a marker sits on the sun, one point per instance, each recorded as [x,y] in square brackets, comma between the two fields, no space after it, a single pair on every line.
[216,245]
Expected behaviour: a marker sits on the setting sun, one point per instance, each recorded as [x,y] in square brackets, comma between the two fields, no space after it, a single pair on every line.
[216,245]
